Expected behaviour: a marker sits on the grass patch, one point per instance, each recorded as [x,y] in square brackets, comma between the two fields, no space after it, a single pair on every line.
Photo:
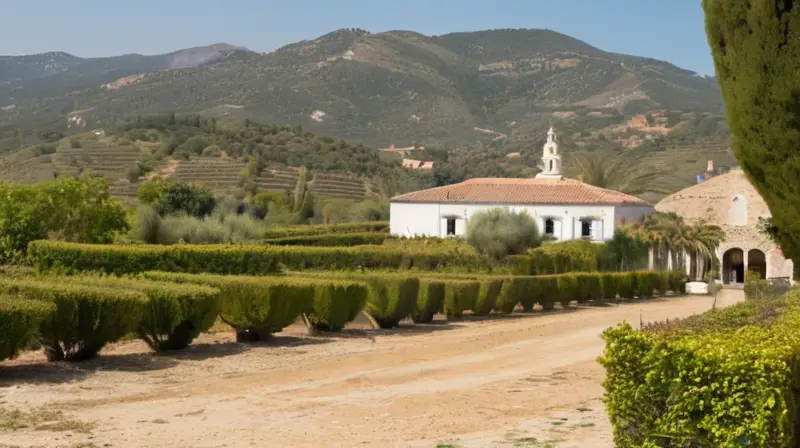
[40,419]
[533,442]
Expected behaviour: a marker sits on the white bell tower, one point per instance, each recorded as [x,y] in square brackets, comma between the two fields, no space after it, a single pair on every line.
[551,160]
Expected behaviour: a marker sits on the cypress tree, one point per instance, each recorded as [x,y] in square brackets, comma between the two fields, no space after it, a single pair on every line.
[756,49]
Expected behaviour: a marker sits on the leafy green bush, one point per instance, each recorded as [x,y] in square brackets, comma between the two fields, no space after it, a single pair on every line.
[86,318]
[175,314]
[569,289]
[646,283]
[515,290]
[460,296]
[559,258]
[19,322]
[391,298]
[608,285]
[326,229]
[256,307]
[499,232]
[331,239]
[429,300]
[336,302]
[237,259]
[625,284]
[487,296]
[726,378]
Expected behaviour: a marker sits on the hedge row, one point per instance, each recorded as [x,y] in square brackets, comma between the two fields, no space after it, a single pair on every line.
[19,320]
[559,258]
[331,239]
[322,229]
[90,312]
[235,259]
[726,378]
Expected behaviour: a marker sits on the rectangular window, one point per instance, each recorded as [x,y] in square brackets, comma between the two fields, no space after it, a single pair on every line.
[586,229]
[549,227]
[451,226]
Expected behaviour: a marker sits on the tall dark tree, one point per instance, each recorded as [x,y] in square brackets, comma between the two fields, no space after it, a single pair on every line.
[756,50]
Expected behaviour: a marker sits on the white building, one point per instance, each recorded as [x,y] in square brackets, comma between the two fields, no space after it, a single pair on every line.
[731,202]
[563,208]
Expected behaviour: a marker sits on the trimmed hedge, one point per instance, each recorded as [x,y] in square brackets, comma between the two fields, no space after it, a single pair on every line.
[332,239]
[336,303]
[236,259]
[487,296]
[19,323]
[559,258]
[391,298]
[175,314]
[516,290]
[726,378]
[460,296]
[323,229]
[429,300]
[256,307]
[85,319]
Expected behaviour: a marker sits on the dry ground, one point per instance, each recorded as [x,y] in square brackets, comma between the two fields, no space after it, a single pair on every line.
[521,381]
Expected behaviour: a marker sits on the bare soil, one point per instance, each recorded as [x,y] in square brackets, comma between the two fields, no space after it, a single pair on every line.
[518,381]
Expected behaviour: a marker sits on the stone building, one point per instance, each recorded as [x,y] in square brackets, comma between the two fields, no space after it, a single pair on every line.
[730,201]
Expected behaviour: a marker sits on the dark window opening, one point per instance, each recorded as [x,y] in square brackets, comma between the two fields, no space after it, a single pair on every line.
[549,227]
[451,226]
[586,229]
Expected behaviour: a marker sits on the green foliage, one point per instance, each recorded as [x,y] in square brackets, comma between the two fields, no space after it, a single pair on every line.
[174,197]
[237,259]
[256,307]
[336,302]
[516,290]
[545,293]
[175,314]
[323,229]
[487,296]
[67,209]
[726,378]
[754,47]
[460,296]
[86,318]
[19,323]
[215,229]
[429,300]
[333,239]
[391,298]
[500,232]
[558,258]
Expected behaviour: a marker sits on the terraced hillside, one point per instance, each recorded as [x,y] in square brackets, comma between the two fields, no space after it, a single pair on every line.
[214,173]
[333,186]
[99,157]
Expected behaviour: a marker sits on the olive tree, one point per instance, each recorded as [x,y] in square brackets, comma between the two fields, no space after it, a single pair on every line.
[499,232]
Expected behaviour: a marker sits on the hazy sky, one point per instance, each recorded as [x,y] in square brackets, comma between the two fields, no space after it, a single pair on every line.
[669,30]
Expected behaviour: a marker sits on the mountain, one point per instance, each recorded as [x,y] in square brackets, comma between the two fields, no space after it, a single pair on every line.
[490,93]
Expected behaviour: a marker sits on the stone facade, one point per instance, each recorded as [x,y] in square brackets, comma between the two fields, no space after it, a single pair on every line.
[731,202]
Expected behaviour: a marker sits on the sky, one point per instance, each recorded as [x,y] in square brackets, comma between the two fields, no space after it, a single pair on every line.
[668,30]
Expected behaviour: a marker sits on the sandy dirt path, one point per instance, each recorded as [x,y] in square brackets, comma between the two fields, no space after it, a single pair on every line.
[521,381]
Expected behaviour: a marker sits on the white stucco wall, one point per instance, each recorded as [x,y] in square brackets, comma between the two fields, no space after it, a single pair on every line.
[427,219]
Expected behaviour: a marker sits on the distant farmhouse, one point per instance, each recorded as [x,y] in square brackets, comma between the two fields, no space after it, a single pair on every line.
[564,209]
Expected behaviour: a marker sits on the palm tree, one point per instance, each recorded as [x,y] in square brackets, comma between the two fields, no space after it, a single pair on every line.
[670,237]
[614,173]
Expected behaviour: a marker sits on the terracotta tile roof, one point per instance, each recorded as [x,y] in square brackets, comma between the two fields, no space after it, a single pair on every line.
[521,191]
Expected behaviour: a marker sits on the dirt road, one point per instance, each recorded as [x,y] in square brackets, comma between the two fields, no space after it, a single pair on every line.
[521,381]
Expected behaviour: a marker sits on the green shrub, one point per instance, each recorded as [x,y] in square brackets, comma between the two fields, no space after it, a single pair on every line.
[336,303]
[460,296]
[559,258]
[19,323]
[331,239]
[324,229]
[590,287]
[569,289]
[726,378]
[487,296]
[391,298]
[499,232]
[256,307]
[175,314]
[646,283]
[429,300]
[237,259]
[608,285]
[86,318]
[626,284]
[545,293]
[515,290]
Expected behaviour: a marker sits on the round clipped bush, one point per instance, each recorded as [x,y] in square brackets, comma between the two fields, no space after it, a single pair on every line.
[460,296]
[86,317]
[430,300]
[176,313]
[256,307]
[515,290]
[336,302]
[19,322]
[391,298]
[487,296]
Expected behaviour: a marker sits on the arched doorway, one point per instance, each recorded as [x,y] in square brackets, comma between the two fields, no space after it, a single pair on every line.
[733,266]
[757,262]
